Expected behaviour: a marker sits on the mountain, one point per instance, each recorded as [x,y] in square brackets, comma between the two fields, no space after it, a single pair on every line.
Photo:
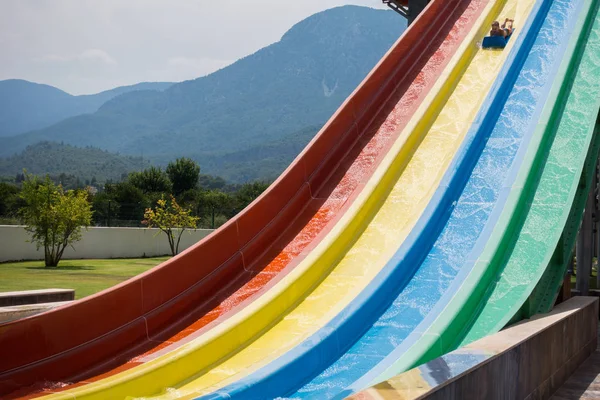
[25,106]
[268,100]
[85,163]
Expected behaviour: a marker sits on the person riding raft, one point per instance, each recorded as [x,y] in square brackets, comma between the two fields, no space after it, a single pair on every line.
[504,31]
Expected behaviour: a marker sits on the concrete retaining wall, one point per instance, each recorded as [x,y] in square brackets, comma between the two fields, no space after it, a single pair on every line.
[97,243]
[8,314]
[529,360]
[8,299]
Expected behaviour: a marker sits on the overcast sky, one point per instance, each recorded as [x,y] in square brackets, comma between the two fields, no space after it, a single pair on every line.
[86,46]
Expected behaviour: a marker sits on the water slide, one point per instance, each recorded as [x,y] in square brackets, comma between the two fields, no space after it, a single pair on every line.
[461,154]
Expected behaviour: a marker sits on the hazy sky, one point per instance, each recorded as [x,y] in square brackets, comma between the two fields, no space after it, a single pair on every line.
[86,46]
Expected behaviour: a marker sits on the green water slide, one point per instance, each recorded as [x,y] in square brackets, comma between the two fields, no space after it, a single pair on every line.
[531,246]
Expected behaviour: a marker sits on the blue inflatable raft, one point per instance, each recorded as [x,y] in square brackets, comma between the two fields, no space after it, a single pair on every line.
[495,42]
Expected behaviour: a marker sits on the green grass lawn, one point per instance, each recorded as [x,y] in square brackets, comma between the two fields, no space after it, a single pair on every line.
[85,276]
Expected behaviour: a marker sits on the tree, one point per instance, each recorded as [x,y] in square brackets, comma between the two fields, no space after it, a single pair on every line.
[8,197]
[248,192]
[53,217]
[215,200]
[151,180]
[213,182]
[130,201]
[184,174]
[171,219]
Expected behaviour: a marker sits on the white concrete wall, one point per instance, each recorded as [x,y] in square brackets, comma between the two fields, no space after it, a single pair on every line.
[97,243]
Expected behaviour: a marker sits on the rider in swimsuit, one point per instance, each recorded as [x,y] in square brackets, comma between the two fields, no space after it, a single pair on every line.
[504,31]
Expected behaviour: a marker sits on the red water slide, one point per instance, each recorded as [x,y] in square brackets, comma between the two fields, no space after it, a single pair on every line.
[223,272]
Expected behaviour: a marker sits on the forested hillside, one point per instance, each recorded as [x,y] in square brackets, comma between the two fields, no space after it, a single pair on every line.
[84,163]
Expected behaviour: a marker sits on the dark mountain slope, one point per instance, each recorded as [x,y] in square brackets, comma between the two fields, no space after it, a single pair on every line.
[25,106]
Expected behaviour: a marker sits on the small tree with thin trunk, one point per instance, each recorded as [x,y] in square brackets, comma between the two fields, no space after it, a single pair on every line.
[53,217]
[172,219]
